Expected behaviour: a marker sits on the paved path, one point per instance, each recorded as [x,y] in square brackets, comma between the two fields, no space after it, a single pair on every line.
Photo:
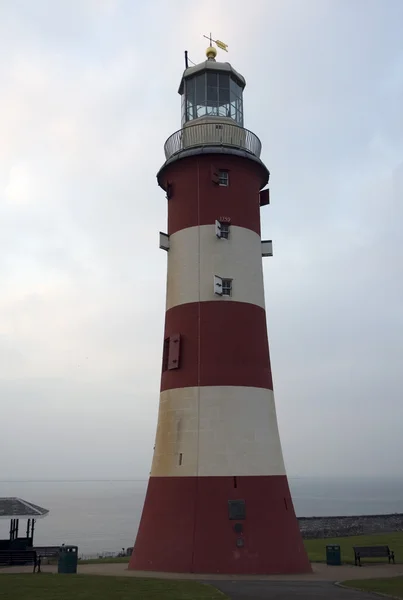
[314,586]
[276,590]
[320,572]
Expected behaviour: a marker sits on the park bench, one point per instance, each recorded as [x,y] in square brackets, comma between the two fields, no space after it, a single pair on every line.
[372,552]
[12,558]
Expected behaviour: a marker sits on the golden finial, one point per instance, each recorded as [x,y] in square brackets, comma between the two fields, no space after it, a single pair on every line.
[211,52]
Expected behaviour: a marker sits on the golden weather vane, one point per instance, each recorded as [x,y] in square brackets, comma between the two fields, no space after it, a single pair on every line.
[211,52]
[218,43]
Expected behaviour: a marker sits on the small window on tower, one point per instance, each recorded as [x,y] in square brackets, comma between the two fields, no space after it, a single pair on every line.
[236,510]
[222,287]
[223,178]
[226,287]
[171,352]
[224,230]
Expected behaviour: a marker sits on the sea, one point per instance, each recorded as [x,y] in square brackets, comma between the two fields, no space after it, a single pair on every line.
[102,517]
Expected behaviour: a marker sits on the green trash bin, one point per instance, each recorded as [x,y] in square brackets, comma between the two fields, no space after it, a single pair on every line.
[333,555]
[68,559]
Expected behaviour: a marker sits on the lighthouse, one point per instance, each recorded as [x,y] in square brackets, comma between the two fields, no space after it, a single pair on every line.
[218,499]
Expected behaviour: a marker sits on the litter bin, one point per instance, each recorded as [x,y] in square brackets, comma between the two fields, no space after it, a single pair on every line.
[333,555]
[68,559]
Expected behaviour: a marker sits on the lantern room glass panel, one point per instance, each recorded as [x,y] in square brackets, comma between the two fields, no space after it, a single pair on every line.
[212,94]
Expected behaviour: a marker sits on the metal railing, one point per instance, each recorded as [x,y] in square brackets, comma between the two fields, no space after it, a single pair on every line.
[212,134]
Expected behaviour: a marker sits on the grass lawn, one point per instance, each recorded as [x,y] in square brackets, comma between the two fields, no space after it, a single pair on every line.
[317,548]
[392,586]
[100,561]
[89,587]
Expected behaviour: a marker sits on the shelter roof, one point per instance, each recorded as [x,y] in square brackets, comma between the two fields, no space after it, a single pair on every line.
[16,508]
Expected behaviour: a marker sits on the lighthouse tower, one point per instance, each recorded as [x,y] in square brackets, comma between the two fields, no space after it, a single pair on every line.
[218,499]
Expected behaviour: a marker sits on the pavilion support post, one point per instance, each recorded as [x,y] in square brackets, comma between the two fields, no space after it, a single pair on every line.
[13,529]
[32,531]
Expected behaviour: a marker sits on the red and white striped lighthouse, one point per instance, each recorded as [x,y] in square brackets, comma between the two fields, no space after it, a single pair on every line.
[218,499]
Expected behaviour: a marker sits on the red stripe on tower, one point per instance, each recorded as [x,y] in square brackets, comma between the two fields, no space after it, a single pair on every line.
[218,499]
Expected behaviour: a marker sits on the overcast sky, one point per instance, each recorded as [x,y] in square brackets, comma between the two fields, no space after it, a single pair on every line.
[88,95]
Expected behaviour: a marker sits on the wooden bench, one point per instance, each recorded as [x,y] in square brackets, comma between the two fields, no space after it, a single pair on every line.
[12,558]
[372,552]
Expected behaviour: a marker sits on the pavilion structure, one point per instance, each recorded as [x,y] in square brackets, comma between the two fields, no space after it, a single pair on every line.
[16,509]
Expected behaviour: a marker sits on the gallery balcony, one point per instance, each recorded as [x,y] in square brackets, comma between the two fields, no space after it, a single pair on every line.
[212,132]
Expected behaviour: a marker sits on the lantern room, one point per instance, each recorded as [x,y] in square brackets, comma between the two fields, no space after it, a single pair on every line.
[212,89]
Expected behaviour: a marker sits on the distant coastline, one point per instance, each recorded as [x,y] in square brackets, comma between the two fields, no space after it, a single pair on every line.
[77,508]
[332,527]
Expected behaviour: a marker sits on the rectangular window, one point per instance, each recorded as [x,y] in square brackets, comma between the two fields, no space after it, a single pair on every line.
[164,241]
[264,197]
[222,229]
[171,352]
[223,178]
[174,351]
[236,510]
[226,287]
[267,247]
[222,287]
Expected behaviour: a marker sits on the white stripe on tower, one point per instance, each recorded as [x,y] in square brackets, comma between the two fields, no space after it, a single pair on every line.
[196,254]
[217,431]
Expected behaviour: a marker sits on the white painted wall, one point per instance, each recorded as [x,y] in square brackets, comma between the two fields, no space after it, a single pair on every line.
[196,254]
[208,131]
[219,430]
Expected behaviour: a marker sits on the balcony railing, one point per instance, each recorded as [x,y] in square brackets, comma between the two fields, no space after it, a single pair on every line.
[212,134]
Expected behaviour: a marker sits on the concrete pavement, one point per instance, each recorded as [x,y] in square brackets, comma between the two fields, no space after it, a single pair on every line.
[286,590]
[321,572]
[314,586]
